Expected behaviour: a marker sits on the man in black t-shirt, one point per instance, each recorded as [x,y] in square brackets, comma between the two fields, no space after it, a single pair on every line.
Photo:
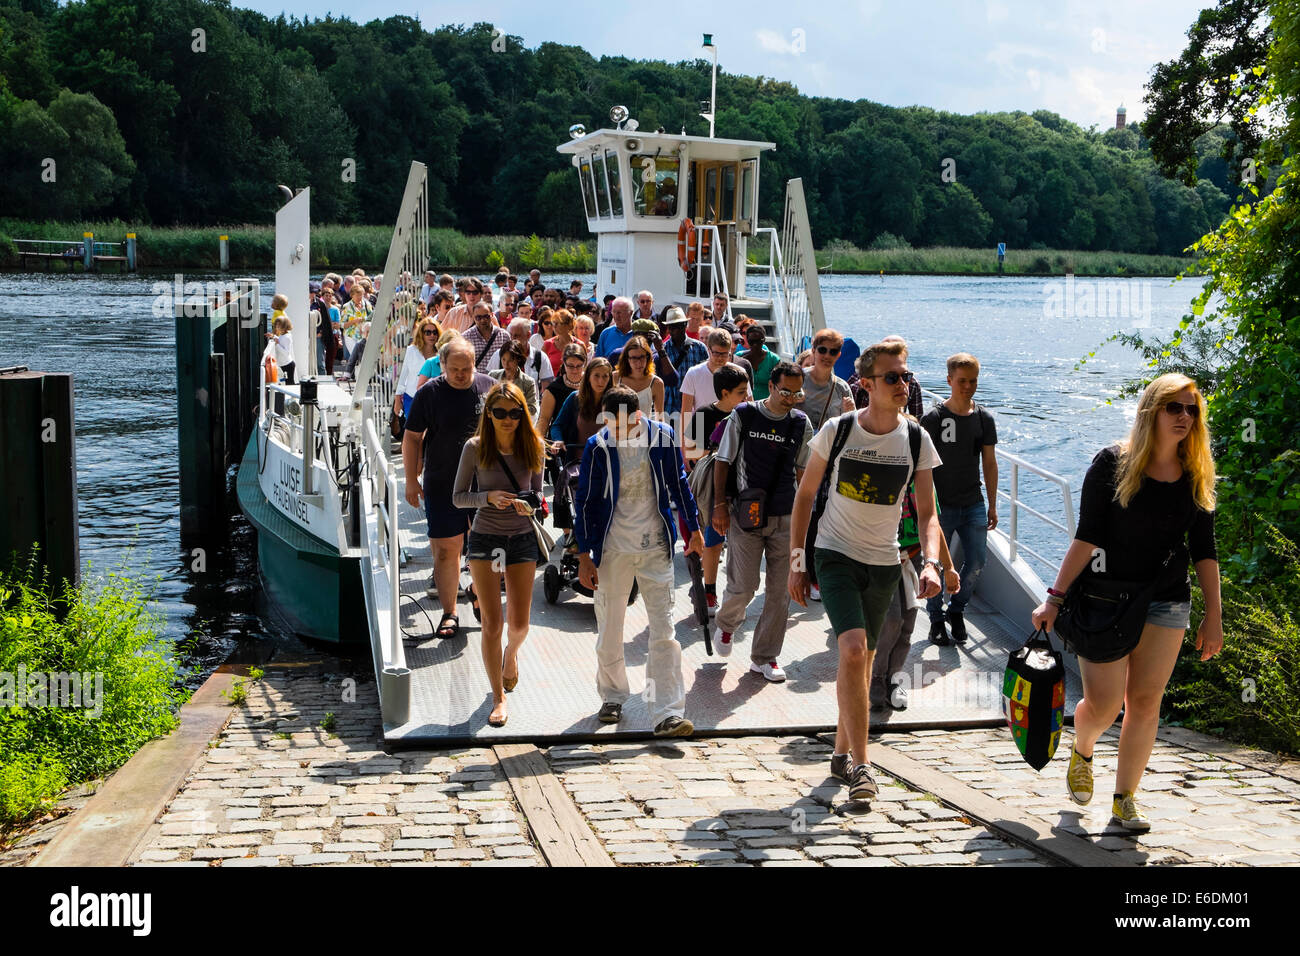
[964,434]
[444,414]
[766,445]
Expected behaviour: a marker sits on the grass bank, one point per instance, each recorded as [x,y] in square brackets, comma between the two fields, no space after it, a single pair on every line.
[79,692]
[952,260]
[332,247]
[346,247]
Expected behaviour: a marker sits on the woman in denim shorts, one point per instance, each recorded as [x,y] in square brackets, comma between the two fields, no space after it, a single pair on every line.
[503,464]
[1145,514]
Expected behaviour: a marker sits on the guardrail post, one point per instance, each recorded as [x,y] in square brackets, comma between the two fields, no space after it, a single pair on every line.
[1015,506]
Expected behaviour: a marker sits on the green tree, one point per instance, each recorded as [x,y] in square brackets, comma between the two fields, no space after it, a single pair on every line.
[1218,77]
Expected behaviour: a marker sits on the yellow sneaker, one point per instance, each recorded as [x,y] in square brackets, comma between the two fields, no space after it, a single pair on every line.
[1078,778]
[1125,811]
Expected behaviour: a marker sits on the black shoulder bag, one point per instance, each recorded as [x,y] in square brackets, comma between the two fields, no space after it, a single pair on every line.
[749,510]
[1101,619]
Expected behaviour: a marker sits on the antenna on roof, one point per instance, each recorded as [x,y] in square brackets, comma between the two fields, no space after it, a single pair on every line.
[713,86]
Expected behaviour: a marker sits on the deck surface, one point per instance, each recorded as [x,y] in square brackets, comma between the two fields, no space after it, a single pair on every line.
[556,699]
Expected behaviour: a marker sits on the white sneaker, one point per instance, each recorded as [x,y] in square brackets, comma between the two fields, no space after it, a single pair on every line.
[722,642]
[771,670]
[815,593]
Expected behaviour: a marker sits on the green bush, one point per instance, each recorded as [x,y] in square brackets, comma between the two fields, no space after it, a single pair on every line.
[1250,691]
[105,631]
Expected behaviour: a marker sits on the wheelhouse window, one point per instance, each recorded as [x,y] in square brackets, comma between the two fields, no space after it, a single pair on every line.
[654,185]
[584,177]
[615,186]
[602,188]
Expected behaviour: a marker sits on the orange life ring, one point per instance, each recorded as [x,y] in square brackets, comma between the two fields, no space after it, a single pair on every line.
[686,244]
[270,374]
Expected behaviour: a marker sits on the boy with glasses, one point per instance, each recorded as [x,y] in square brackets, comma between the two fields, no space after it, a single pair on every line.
[765,447]
[965,433]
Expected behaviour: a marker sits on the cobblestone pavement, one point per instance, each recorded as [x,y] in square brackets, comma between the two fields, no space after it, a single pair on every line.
[764,801]
[279,789]
[1205,808]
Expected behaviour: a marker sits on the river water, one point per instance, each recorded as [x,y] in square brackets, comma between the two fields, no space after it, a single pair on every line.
[1027,333]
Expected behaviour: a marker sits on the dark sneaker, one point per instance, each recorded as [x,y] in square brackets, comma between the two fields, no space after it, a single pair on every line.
[842,767]
[939,633]
[610,713]
[958,625]
[862,786]
[674,727]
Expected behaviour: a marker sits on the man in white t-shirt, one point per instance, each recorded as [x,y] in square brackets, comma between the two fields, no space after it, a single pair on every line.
[855,555]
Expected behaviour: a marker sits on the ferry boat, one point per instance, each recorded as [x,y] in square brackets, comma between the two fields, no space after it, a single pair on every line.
[322,482]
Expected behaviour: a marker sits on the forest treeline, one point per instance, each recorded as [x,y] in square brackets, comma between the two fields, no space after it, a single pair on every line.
[183,111]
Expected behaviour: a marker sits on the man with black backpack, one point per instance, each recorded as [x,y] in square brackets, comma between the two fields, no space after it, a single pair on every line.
[764,446]
[869,457]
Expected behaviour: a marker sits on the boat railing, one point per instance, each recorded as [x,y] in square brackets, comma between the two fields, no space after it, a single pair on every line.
[708,238]
[270,411]
[798,270]
[1017,504]
[381,572]
[393,318]
[778,292]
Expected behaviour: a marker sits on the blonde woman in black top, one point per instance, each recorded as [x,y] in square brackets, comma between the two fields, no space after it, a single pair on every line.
[1142,499]
[502,539]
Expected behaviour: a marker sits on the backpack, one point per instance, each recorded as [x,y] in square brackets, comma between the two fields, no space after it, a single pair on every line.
[843,427]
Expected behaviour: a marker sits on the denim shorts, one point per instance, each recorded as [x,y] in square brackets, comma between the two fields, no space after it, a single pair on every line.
[1176,614]
[513,548]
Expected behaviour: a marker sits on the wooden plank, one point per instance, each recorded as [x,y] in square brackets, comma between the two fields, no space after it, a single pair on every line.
[1013,823]
[561,831]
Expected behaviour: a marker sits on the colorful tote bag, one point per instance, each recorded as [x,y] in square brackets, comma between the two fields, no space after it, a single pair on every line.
[1033,699]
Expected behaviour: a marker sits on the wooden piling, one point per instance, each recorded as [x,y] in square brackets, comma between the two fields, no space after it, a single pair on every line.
[194,413]
[38,472]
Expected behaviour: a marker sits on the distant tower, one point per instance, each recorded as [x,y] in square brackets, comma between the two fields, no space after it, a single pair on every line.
[1120,117]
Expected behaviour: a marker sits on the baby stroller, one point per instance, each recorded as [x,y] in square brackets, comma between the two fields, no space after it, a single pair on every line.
[563,575]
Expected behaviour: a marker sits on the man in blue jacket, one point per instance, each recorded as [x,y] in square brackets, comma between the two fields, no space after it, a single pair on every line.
[625,529]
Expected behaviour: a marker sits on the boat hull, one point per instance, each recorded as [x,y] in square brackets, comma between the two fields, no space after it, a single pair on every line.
[315,588]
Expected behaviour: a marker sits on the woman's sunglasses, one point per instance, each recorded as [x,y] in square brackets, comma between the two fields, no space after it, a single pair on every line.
[1175,409]
[893,378]
[828,350]
[501,414]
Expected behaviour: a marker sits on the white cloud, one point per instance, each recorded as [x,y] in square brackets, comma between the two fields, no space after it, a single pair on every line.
[773,42]
[996,11]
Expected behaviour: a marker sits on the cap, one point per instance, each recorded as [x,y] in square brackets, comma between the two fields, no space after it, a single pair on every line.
[644,325]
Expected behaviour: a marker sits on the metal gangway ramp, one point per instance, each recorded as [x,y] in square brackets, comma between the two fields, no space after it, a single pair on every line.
[556,699]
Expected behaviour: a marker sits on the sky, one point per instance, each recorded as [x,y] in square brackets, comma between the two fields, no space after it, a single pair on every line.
[1079,59]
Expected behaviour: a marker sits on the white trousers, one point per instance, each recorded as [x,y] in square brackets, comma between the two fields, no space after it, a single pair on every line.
[665,692]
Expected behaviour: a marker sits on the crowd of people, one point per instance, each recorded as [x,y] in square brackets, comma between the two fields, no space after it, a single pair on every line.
[683,422]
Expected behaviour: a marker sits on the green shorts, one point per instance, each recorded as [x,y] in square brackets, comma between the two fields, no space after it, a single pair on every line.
[855,595]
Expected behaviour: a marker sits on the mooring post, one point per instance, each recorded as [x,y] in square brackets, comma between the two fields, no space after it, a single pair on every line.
[194,415]
[225,253]
[88,251]
[38,472]
[130,252]
[217,434]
